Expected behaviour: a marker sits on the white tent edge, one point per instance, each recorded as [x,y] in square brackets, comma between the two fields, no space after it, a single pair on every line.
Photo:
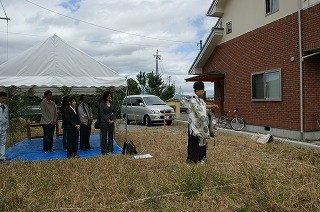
[54,64]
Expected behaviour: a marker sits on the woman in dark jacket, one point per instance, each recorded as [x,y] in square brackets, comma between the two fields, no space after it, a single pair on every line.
[64,105]
[72,126]
[108,117]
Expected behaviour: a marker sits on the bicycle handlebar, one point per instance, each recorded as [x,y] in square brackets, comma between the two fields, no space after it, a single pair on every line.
[234,111]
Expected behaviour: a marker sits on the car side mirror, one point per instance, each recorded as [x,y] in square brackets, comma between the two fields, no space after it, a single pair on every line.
[141,104]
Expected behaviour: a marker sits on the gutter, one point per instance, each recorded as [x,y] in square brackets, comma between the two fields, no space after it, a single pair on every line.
[301,60]
[310,55]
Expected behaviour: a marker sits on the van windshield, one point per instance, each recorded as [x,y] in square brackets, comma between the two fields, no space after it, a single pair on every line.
[153,100]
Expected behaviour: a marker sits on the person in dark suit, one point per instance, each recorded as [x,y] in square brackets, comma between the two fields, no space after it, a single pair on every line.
[108,117]
[72,126]
[64,105]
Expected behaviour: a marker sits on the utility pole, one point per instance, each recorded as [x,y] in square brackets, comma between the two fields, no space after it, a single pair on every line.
[169,79]
[200,44]
[158,57]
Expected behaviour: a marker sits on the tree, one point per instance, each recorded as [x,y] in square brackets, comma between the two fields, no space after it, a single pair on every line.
[168,92]
[142,79]
[155,85]
[65,91]
[133,87]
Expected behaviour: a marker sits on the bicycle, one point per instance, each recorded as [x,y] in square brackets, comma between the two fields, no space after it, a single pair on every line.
[232,120]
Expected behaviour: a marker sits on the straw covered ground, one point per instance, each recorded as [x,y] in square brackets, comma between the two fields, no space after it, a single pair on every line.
[239,175]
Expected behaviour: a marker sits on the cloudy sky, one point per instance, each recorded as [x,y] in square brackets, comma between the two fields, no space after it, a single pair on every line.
[123,35]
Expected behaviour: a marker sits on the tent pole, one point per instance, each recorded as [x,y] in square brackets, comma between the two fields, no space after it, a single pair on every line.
[124,148]
[126,110]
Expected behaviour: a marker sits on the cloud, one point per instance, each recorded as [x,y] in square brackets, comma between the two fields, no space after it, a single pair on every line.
[123,35]
[72,5]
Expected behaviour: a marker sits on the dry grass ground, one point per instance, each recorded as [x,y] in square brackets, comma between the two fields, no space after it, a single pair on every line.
[239,175]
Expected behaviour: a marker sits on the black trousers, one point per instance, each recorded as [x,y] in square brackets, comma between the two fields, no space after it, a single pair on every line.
[85,131]
[48,131]
[106,137]
[64,139]
[195,152]
[72,142]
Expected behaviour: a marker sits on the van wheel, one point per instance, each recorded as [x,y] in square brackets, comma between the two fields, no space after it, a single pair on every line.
[147,121]
[169,122]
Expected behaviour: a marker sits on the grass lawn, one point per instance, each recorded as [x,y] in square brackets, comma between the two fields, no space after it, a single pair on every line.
[239,175]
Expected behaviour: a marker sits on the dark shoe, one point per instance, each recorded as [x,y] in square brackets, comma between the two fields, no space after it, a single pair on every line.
[189,161]
[85,148]
[3,160]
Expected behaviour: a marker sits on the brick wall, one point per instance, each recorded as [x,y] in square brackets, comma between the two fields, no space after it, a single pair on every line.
[311,28]
[269,47]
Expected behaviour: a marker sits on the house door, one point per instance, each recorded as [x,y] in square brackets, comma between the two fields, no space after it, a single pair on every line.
[219,97]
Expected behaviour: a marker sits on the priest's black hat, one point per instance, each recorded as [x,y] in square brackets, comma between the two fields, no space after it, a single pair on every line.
[198,86]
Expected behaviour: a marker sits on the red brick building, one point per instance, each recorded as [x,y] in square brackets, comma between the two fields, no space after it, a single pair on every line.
[264,59]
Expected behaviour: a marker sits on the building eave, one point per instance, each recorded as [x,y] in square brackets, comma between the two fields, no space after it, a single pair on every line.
[204,54]
[212,76]
[216,8]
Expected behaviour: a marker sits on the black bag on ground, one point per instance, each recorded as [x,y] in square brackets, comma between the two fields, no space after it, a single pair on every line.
[129,148]
[97,125]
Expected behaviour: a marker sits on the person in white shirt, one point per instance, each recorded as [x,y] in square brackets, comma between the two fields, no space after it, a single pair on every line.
[48,120]
[4,125]
[85,114]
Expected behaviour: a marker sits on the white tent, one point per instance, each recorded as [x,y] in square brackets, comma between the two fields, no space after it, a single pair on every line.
[54,63]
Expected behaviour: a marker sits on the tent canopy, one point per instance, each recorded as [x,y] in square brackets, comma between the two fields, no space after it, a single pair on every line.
[54,63]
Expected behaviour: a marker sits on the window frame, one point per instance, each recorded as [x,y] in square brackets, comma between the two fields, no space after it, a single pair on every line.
[269,7]
[264,73]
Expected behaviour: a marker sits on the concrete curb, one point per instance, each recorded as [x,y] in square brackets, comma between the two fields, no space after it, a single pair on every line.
[282,140]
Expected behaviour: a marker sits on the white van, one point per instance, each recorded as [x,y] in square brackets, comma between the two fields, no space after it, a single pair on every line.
[146,109]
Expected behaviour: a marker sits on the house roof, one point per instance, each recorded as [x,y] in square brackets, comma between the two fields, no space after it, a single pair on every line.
[203,56]
[216,8]
[212,76]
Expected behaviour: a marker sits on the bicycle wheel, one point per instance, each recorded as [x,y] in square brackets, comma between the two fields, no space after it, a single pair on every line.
[237,123]
[222,122]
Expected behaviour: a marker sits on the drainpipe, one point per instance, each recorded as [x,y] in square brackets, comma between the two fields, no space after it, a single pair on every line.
[301,60]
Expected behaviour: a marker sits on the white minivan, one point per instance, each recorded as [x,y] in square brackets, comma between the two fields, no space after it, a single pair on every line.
[146,109]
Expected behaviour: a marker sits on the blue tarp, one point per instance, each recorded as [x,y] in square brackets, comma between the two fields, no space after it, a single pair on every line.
[32,150]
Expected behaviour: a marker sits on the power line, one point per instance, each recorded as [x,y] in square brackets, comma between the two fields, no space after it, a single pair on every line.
[115,30]
[6,18]
[94,41]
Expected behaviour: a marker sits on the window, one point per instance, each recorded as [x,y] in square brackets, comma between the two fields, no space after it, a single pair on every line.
[272,6]
[266,86]
[153,101]
[229,27]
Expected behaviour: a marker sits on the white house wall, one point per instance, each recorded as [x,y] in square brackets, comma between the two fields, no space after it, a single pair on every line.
[255,17]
